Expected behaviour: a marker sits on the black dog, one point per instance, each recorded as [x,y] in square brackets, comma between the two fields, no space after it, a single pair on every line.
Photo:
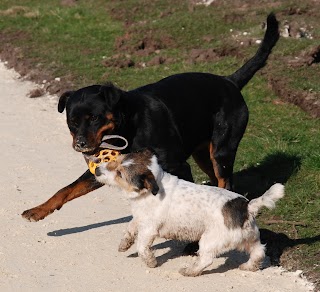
[198,114]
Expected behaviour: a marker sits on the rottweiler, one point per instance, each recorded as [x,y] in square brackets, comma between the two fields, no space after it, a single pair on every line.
[190,114]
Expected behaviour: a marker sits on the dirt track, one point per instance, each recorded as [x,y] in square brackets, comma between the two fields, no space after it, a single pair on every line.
[75,249]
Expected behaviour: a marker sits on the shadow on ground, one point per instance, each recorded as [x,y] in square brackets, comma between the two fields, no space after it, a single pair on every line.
[68,231]
[277,243]
[275,168]
[254,181]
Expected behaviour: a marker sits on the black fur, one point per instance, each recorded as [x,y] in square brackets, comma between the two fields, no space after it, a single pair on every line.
[235,213]
[198,114]
[175,116]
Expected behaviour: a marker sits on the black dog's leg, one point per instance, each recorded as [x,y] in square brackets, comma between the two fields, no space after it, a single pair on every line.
[202,157]
[228,132]
[83,185]
[222,162]
[183,171]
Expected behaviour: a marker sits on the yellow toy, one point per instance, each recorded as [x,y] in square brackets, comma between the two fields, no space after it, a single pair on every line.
[105,155]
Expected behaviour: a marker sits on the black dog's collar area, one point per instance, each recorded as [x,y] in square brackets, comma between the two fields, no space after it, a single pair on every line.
[113,147]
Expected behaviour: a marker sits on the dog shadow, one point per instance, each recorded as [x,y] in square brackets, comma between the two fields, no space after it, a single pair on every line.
[277,243]
[275,168]
[233,260]
[255,180]
[175,250]
[68,231]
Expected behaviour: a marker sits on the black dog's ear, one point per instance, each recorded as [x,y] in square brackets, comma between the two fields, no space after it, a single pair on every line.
[63,100]
[111,94]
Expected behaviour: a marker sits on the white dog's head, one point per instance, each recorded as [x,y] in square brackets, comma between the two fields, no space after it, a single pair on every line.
[133,172]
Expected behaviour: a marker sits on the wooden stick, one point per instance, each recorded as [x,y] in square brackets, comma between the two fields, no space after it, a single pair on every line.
[295,223]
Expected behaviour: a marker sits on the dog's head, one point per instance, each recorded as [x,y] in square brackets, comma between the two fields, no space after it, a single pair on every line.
[134,172]
[91,114]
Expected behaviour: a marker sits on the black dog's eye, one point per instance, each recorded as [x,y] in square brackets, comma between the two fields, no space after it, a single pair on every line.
[74,123]
[119,173]
[94,118]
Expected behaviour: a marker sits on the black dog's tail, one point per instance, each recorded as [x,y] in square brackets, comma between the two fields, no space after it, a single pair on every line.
[243,75]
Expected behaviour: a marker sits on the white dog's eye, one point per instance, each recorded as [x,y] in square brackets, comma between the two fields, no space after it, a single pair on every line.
[119,173]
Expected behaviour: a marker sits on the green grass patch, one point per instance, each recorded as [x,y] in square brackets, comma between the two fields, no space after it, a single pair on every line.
[67,40]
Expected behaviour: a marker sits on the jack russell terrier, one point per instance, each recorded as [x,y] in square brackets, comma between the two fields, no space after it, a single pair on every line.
[165,206]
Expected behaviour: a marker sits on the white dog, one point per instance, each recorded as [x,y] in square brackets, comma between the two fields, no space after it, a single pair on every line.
[164,205]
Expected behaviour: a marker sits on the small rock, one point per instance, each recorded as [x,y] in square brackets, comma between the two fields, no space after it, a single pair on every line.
[36,92]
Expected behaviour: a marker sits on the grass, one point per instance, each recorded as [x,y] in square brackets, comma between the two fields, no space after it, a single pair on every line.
[281,142]
[65,40]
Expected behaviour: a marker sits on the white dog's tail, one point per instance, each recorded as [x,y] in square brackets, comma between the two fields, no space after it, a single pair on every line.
[268,199]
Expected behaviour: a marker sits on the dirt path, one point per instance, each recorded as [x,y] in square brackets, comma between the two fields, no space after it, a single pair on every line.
[75,249]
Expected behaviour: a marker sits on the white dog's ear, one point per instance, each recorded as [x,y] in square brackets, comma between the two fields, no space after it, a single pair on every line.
[147,181]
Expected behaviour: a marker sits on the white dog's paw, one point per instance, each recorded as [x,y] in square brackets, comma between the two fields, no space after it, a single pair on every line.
[125,244]
[189,272]
[151,262]
[249,267]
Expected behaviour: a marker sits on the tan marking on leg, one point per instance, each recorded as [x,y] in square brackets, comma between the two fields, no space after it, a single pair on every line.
[221,181]
[83,185]
[202,157]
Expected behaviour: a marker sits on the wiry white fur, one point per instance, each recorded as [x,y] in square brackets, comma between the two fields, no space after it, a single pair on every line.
[108,177]
[186,211]
[268,199]
[155,169]
[127,162]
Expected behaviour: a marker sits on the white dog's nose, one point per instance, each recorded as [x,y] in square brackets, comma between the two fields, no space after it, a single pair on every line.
[98,171]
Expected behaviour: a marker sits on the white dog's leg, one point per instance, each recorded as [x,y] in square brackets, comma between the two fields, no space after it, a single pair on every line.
[257,254]
[203,260]
[144,242]
[129,237]
[206,254]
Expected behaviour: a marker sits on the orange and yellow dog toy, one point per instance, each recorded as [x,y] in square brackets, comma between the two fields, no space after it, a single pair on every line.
[111,153]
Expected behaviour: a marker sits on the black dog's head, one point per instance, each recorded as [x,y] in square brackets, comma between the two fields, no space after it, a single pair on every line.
[91,114]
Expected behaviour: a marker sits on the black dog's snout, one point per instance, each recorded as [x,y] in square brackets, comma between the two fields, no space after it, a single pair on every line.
[81,142]
[97,172]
